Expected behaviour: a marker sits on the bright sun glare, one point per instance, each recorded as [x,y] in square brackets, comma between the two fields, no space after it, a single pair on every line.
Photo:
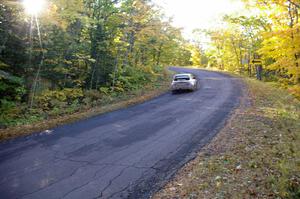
[193,14]
[34,7]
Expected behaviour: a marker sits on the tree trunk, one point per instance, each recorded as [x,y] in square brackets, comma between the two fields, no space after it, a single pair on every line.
[158,54]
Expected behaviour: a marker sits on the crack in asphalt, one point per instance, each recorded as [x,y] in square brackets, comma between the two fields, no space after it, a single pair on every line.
[87,163]
[85,184]
[122,190]
[55,182]
[111,181]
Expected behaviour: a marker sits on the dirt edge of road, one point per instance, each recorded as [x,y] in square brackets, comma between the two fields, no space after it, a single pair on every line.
[254,156]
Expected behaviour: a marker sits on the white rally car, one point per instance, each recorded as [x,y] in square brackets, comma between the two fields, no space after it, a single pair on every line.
[185,81]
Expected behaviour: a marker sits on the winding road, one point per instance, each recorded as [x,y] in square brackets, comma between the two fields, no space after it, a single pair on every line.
[129,153]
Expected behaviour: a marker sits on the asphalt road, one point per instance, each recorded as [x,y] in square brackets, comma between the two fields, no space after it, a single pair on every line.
[128,153]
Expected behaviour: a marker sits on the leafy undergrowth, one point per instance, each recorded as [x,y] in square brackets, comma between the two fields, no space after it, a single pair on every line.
[256,155]
[295,90]
[37,122]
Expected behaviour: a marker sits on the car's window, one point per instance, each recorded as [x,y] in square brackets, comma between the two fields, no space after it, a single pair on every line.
[181,77]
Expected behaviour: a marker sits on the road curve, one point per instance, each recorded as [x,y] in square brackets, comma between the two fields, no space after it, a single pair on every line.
[127,153]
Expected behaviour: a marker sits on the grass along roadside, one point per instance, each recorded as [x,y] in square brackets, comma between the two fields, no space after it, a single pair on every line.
[108,104]
[256,155]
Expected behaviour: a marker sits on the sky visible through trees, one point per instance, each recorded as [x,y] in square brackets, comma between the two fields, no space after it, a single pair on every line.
[193,14]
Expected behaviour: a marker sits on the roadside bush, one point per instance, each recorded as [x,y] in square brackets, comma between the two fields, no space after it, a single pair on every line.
[295,90]
[12,114]
[104,90]
[132,78]
[91,96]
[118,88]
[59,99]
[73,95]
[8,110]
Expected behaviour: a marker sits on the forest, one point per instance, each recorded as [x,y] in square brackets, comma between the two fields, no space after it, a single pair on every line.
[77,52]
[265,43]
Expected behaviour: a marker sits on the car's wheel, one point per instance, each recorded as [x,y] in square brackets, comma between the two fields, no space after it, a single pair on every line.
[195,87]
